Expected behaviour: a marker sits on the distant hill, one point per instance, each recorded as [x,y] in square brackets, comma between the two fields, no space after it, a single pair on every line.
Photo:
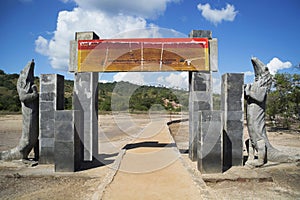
[124,95]
[9,98]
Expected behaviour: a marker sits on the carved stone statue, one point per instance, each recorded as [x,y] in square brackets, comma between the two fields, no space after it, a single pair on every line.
[256,95]
[28,95]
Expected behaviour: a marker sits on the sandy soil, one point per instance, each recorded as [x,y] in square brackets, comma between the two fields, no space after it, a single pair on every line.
[18,181]
[272,181]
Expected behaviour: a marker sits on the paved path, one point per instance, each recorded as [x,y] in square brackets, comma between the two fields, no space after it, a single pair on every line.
[151,168]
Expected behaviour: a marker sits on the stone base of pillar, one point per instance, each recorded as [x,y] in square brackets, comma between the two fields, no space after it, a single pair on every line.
[209,146]
[67,146]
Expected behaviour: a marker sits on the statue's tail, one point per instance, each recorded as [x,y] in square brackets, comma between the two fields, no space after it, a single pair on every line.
[12,154]
[274,155]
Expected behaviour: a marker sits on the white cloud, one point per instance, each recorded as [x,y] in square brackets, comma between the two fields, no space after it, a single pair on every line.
[104,81]
[217,16]
[141,8]
[132,77]
[69,22]
[248,73]
[160,80]
[275,64]
[174,80]
[107,18]
[41,46]
[248,76]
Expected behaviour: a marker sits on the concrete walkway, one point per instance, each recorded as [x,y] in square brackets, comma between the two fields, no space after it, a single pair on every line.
[151,168]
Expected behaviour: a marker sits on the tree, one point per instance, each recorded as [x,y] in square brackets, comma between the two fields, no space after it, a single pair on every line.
[284,99]
[296,94]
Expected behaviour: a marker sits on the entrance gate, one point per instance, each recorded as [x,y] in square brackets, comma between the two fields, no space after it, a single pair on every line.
[215,137]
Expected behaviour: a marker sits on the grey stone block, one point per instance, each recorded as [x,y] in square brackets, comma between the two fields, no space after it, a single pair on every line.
[64,157]
[46,106]
[47,87]
[202,105]
[46,78]
[46,155]
[51,99]
[234,115]
[200,34]
[46,126]
[49,96]
[73,59]
[47,142]
[209,145]
[63,116]
[202,77]
[199,86]
[201,96]
[63,131]
[45,115]
[88,35]
[212,162]
[232,149]
[233,125]
[68,148]
[232,103]
[213,54]
[235,105]
[47,134]
[86,100]
[198,101]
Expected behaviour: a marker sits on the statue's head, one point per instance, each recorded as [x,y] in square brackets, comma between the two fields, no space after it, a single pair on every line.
[262,73]
[26,78]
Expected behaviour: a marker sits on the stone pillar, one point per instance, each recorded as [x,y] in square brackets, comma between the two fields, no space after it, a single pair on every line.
[200,97]
[85,100]
[51,99]
[232,105]
[67,146]
[209,144]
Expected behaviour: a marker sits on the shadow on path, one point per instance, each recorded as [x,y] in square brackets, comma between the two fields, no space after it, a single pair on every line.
[154,144]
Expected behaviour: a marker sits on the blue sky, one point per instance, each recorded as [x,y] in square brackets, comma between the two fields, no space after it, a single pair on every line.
[42,29]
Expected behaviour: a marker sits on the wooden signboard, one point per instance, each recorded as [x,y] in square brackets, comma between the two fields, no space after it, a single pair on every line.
[143,54]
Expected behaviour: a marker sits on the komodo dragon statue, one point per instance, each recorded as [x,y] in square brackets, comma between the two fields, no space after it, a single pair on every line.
[256,95]
[28,95]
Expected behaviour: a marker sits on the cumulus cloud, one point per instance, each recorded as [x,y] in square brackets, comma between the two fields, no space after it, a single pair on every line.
[132,77]
[174,80]
[141,8]
[217,16]
[107,18]
[69,22]
[41,46]
[180,80]
[275,64]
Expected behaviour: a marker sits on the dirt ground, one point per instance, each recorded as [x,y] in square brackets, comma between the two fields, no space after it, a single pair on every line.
[18,181]
[272,181]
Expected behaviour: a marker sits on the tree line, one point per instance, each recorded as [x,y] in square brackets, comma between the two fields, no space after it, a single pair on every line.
[142,98]
[283,102]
